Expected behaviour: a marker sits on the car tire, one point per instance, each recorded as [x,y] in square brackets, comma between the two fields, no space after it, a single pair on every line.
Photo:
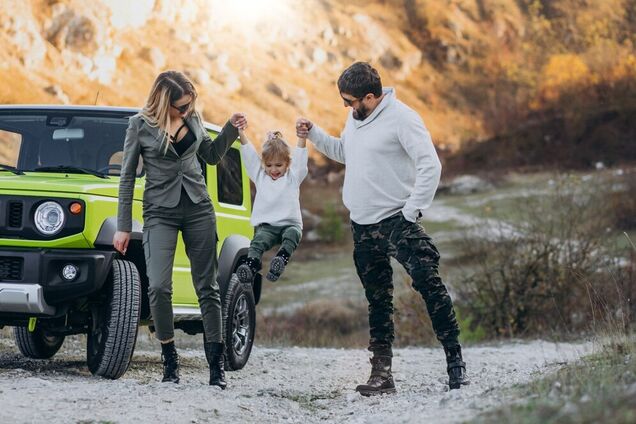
[112,332]
[37,344]
[239,322]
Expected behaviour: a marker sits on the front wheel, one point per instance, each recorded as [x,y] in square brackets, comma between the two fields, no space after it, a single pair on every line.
[115,317]
[239,322]
[37,344]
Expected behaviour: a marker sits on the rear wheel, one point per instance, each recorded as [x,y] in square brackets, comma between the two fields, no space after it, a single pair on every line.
[115,317]
[239,322]
[37,344]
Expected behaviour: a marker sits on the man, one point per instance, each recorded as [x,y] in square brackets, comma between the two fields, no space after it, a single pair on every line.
[391,175]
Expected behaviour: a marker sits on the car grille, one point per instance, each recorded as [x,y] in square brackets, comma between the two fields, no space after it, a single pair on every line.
[11,268]
[15,214]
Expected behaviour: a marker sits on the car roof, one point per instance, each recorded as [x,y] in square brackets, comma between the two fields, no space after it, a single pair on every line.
[82,108]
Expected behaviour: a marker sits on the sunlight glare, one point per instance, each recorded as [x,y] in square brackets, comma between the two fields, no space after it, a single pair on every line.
[252,12]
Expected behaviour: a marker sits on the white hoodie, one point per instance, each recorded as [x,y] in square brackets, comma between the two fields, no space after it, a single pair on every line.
[391,163]
[277,201]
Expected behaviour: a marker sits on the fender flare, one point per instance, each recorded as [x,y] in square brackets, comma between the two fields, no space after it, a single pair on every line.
[234,247]
[109,227]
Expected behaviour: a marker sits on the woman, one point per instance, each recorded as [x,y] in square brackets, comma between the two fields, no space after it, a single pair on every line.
[169,135]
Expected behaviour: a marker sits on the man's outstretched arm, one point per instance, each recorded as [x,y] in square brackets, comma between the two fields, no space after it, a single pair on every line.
[332,147]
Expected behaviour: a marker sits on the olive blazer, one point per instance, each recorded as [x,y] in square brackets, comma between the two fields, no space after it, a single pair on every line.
[166,171]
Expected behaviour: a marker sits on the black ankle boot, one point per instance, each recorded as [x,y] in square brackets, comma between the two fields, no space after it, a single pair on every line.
[456,367]
[381,380]
[246,271]
[215,353]
[277,266]
[170,360]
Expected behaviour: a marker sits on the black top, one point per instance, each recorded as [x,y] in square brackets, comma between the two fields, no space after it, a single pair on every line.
[182,145]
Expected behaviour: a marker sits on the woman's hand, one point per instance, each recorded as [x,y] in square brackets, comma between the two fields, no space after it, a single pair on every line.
[239,120]
[121,240]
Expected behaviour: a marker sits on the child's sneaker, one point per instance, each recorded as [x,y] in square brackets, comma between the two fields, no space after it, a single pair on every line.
[245,272]
[277,266]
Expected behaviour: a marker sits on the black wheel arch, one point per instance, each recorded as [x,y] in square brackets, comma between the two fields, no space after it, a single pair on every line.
[109,228]
[234,249]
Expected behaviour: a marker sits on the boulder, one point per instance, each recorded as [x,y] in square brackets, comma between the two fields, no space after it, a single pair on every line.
[466,184]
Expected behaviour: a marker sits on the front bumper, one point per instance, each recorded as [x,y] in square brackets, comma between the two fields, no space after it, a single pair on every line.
[31,279]
[24,298]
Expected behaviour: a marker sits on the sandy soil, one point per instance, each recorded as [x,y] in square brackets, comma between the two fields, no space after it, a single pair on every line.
[277,385]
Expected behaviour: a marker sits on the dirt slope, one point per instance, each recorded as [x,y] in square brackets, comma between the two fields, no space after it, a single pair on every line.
[473,68]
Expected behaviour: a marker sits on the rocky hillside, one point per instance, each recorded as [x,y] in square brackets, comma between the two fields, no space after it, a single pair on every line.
[475,69]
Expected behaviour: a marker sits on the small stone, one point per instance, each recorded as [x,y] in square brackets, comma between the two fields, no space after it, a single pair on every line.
[555,391]
[569,409]
[631,390]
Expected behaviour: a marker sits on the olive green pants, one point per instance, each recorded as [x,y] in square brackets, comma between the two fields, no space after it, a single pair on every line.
[267,236]
[197,224]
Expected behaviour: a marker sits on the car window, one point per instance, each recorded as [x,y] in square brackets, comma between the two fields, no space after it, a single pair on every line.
[115,163]
[230,179]
[10,143]
[81,139]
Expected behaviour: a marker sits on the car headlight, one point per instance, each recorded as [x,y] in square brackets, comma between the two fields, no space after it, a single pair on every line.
[49,218]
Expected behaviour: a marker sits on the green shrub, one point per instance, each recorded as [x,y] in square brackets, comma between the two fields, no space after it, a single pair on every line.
[556,272]
[330,228]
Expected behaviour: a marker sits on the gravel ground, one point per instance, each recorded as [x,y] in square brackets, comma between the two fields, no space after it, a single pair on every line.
[277,385]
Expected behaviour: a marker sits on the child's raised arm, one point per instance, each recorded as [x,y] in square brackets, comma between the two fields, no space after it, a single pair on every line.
[243,137]
[299,160]
[251,159]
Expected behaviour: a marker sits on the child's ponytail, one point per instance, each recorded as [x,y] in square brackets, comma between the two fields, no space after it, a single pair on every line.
[275,147]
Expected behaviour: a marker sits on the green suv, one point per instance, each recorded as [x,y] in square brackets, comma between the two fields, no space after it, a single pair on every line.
[59,273]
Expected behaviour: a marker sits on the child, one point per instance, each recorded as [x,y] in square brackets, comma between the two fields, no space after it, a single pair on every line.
[276,213]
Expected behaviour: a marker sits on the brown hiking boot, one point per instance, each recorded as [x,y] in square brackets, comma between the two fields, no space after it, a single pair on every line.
[456,368]
[381,380]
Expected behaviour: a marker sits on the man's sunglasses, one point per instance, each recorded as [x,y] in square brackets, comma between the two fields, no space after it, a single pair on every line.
[349,102]
[183,108]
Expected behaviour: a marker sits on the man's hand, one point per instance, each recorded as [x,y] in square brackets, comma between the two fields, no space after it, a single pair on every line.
[121,240]
[303,125]
[239,120]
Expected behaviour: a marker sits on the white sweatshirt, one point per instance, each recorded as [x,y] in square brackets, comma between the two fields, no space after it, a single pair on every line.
[391,163]
[277,201]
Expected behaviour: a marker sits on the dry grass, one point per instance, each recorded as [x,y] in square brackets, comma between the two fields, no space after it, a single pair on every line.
[317,324]
[599,389]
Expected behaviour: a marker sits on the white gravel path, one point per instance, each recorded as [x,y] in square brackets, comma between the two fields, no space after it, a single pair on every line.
[295,385]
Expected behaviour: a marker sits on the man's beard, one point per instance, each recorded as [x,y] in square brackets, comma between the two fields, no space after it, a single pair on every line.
[361,114]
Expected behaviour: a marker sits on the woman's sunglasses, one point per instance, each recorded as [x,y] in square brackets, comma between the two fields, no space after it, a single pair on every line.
[183,108]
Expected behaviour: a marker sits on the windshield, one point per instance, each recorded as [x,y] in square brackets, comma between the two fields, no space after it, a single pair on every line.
[71,141]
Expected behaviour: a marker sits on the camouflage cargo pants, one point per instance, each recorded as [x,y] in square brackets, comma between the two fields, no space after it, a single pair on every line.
[407,242]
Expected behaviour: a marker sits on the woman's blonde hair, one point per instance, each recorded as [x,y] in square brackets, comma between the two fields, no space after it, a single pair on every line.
[275,147]
[169,86]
